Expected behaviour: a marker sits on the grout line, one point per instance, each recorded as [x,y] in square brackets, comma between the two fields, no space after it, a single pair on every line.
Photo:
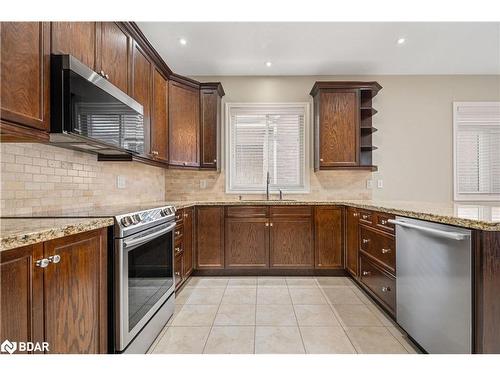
[296,320]
[213,321]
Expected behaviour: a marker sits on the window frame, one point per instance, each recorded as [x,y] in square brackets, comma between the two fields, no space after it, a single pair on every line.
[467,197]
[227,144]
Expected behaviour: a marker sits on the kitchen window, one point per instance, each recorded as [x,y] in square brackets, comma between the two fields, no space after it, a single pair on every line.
[476,129]
[266,138]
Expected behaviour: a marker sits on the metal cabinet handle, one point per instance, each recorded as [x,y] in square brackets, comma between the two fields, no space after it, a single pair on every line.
[321,160]
[107,76]
[452,235]
[215,160]
[154,153]
[383,222]
[355,214]
[385,251]
[365,240]
[386,289]
[365,217]
[366,273]
[186,215]
[185,163]
[42,263]
[267,224]
[177,273]
[271,224]
[177,249]
[55,259]
[102,73]
[177,232]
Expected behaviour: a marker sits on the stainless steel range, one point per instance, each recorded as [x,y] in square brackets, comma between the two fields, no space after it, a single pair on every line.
[143,282]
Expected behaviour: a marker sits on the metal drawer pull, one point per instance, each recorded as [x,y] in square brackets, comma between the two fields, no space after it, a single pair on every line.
[55,259]
[177,273]
[271,224]
[365,217]
[385,251]
[267,224]
[453,235]
[386,289]
[42,263]
[355,214]
[177,249]
[365,240]
[366,273]
[383,222]
[177,232]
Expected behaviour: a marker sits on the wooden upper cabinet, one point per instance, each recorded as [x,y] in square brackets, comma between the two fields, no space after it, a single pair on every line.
[209,237]
[25,75]
[75,289]
[159,117]
[114,55]
[77,39]
[342,124]
[210,122]
[328,226]
[184,125]
[141,89]
[21,292]
[352,240]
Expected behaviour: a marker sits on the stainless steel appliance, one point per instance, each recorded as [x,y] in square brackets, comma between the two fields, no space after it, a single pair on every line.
[434,285]
[143,285]
[88,113]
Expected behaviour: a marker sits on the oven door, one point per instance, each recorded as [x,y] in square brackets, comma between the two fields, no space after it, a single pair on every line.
[145,279]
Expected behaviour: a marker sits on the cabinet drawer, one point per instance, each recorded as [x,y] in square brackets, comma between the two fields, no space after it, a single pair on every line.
[298,211]
[246,211]
[366,217]
[179,233]
[178,267]
[382,222]
[179,216]
[379,282]
[378,246]
[178,248]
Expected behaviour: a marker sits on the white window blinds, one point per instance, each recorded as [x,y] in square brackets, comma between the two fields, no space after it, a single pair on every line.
[477,150]
[266,138]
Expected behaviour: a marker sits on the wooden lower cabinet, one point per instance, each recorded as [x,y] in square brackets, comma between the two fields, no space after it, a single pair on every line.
[187,267]
[380,283]
[246,243]
[352,240]
[328,237]
[178,266]
[65,303]
[209,237]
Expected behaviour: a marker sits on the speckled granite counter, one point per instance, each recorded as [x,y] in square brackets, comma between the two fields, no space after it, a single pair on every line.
[21,232]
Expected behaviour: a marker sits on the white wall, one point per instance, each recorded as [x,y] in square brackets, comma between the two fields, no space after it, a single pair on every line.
[414,123]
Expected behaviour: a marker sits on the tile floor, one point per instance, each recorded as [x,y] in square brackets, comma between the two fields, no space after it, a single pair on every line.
[271,315]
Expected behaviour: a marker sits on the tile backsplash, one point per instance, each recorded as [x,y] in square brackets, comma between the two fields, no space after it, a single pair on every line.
[39,177]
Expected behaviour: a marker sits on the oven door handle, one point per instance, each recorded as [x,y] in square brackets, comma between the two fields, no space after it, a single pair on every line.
[140,241]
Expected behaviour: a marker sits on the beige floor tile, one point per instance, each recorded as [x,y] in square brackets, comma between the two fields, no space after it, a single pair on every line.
[242,282]
[356,316]
[231,340]
[176,312]
[183,295]
[361,295]
[276,315]
[382,316]
[374,340]
[301,282]
[326,340]
[273,296]
[315,315]
[271,281]
[157,340]
[205,296]
[307,296]
[278,340]
[235,315]
[192,282]
[195,315]
[341,295]
[403,340]
[212,282]
[183,340]
[332,281]
[240,296]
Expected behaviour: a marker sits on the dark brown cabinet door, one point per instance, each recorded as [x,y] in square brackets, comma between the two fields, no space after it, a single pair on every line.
[209,237]
[247,243]
[141,89]
[291,242]
[25,72]
[352,240]
[329,250]
[77,39]
[210,122]
[115,55]
[159,117]
[75,308]
[188,240]
[184,121]
[339,128]
[21,291]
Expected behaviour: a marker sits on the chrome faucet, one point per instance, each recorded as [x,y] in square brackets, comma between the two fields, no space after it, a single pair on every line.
[268,181]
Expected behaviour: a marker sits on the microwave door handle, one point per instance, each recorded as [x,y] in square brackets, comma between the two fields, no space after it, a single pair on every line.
[436,232]
[141,240]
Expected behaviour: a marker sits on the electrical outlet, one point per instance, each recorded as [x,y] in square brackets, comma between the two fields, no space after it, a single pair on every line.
[380,184]
[203,184]
[121,182]
[369,184]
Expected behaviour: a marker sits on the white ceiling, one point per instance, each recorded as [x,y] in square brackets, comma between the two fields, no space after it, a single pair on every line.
[326,48]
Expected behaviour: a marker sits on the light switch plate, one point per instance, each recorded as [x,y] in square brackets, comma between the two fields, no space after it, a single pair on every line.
[380,184]
[369,184]
[203,184]
[121,182]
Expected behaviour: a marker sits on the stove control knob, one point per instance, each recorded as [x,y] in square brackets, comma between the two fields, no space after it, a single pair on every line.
[166,211]
[126,221]
[136,219]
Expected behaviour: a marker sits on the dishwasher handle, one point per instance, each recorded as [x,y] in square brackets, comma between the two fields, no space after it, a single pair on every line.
[452,235]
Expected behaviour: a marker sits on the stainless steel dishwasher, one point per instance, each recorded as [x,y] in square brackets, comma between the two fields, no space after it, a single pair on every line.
[434,284]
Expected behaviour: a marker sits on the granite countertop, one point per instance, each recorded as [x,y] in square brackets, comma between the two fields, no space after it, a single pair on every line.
[17,232]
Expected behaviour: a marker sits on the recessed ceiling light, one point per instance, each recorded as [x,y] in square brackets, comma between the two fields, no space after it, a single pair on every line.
[401,41]
[183,41]
[269,63]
